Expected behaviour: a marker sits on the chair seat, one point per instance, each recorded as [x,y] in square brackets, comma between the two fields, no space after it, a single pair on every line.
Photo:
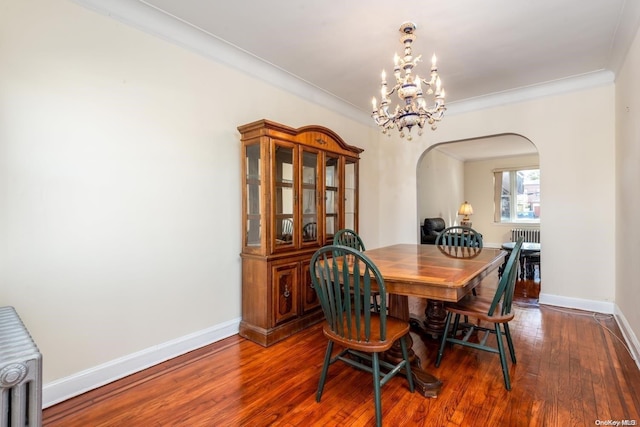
[396,328]
[478,307]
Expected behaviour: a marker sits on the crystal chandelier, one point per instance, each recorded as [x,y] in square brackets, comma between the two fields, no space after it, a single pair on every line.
[413,109]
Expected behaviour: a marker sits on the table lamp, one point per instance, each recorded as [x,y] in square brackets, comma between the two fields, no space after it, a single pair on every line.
[466,210]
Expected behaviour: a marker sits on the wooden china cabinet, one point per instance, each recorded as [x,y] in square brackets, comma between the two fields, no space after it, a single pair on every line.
[299,186]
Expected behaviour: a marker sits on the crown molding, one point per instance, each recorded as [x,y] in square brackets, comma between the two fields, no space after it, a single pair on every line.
[551,88]
[142,16]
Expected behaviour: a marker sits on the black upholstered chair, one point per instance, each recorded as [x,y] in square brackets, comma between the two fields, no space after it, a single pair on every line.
[430,229]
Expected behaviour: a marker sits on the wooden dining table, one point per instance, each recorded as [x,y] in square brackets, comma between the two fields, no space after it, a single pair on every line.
[439,274]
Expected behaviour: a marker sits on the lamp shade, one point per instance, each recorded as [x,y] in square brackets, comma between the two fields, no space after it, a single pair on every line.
[465,209]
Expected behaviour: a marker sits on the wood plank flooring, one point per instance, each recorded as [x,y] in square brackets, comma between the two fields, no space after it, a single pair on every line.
[573,369]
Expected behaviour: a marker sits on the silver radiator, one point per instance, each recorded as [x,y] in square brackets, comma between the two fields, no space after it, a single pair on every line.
[20,373]
[531,235]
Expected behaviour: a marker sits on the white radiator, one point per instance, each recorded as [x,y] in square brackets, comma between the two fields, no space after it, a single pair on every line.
[20,373]
[531,235]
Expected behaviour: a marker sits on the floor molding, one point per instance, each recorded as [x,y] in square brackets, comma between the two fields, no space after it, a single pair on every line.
[98,376]
[630,338]
[577,303]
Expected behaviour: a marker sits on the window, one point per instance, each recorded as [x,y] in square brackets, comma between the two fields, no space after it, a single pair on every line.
[517,195]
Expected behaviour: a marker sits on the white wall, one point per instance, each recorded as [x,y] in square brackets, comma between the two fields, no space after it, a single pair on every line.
[440,182]
[627,200]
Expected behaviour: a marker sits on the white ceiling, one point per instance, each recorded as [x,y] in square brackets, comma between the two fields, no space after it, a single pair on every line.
[483,47]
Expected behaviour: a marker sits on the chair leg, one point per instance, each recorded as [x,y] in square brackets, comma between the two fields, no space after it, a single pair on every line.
[325,369]
[444,339]
[376,305]
[456,325]
[512,350]
[376,388]
[407,363]
[475,294]
[503,357]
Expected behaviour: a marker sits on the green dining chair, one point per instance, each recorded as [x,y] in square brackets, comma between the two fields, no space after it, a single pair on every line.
[347,237]
[460,236]
[460,240]
[496,311]
[350,323]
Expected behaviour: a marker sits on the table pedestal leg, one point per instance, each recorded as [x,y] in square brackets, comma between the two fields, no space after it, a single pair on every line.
[435,318]
[434,322]
[427,384]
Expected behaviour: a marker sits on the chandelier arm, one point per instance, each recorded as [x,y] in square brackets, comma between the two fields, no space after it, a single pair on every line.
[393,89]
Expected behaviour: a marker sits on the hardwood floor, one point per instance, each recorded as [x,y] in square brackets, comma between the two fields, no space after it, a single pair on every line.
[573,369]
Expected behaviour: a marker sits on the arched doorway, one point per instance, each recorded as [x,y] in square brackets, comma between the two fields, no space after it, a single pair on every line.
[453,172]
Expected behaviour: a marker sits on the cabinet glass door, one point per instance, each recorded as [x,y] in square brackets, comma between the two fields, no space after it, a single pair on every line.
[331,196]
[284,195]
[350,194]
[252,179]
[309,196]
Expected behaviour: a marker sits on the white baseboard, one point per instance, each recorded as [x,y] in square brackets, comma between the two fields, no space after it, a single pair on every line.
[577,303]
[76,384]
[629,336]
